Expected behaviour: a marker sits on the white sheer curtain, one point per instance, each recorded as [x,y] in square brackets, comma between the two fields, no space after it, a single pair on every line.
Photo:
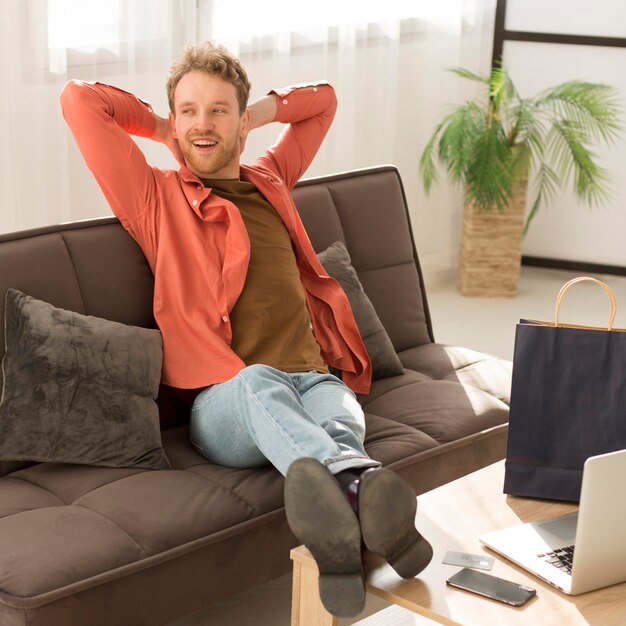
[386,60]
[43,43]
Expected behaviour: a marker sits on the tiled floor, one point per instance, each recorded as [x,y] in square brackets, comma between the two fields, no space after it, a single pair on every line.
[485,324]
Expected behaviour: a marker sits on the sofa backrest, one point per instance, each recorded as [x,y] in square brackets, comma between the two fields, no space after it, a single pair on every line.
[367,210]
[94,267]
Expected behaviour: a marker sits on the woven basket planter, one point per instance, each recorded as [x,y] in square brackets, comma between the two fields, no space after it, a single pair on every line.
[491,248]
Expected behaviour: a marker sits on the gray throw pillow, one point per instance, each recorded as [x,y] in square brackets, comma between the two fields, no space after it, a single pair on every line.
[78,389]
[385,361]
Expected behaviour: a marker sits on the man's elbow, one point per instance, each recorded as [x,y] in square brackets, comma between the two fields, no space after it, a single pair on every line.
[75,93]
[322,99]
[331,96]
[70,90]
[69,95]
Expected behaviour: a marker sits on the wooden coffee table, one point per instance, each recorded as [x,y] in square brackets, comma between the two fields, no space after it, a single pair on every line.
[452,517]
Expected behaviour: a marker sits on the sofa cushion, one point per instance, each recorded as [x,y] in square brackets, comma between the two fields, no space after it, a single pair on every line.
[446,394]
[78,389]
[385,361]
[67,524]
[486,372]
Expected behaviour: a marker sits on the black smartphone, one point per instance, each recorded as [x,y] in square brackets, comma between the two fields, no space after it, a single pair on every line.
[491,587]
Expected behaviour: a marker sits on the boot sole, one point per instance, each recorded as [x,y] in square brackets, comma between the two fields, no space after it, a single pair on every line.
[387,507]
[322,519]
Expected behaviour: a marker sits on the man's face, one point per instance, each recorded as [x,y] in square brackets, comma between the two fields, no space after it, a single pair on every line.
[208,126]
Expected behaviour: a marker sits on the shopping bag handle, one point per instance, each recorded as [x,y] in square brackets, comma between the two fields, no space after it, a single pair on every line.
[609,293]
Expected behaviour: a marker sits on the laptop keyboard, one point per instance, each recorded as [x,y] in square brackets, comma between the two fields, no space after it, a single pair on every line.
[561,558]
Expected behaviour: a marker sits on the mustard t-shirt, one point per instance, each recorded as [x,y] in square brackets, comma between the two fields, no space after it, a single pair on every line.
[270,321]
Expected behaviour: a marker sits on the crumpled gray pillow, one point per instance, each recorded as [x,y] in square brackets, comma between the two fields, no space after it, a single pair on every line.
[78,389]
[385,361]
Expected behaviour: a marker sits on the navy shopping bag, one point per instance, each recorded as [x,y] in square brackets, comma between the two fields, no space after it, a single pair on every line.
[568,402]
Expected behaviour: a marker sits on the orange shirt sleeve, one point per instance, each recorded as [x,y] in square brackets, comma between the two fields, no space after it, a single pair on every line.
[102,118]
[308,110]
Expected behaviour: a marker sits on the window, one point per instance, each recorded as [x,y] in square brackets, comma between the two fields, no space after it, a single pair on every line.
[84,25]
[100,31]
[243,21]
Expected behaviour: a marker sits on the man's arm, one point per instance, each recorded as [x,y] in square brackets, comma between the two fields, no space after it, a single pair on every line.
[101,119]
[308,111]
[263,111]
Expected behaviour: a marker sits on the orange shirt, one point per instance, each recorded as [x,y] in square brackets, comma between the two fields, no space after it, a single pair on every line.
[196,242]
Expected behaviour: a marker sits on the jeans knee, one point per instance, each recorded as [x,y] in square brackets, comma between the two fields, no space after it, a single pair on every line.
[258,372]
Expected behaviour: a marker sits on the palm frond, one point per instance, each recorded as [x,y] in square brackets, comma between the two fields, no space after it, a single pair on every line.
[488,179]
[501,89]
[427,165]
[519,163]
[556,152]
[463,73]
[567,146]
[593,105]
[546,182]
[452,144]
[458,138]
[523,121]
[535,137]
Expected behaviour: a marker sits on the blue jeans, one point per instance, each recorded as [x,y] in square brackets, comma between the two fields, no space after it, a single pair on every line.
[263,416]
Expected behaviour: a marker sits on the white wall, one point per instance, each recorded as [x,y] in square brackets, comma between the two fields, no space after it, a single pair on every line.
[565,228]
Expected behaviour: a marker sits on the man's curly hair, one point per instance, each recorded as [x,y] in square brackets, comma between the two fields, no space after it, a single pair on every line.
[214,60]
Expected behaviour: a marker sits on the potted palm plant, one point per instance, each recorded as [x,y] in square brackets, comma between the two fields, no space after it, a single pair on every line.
[493,145]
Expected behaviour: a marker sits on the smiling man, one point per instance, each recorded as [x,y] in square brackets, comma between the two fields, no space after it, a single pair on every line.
[251,322]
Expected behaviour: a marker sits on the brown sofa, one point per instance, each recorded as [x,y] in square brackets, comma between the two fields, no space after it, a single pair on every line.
[100,546]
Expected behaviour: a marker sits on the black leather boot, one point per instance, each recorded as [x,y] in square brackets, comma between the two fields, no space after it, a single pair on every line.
[386,505]
[322,519]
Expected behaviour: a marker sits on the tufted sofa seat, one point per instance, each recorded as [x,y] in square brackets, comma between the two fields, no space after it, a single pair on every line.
[90,545]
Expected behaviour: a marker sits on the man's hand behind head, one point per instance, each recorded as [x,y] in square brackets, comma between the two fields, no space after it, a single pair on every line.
[163,134]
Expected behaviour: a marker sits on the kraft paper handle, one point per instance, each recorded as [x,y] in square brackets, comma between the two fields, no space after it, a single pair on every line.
[609,293]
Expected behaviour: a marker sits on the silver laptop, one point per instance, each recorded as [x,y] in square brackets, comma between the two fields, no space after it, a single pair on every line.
[597,530]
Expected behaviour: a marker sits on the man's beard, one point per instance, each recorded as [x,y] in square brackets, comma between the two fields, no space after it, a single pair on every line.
[205,165]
